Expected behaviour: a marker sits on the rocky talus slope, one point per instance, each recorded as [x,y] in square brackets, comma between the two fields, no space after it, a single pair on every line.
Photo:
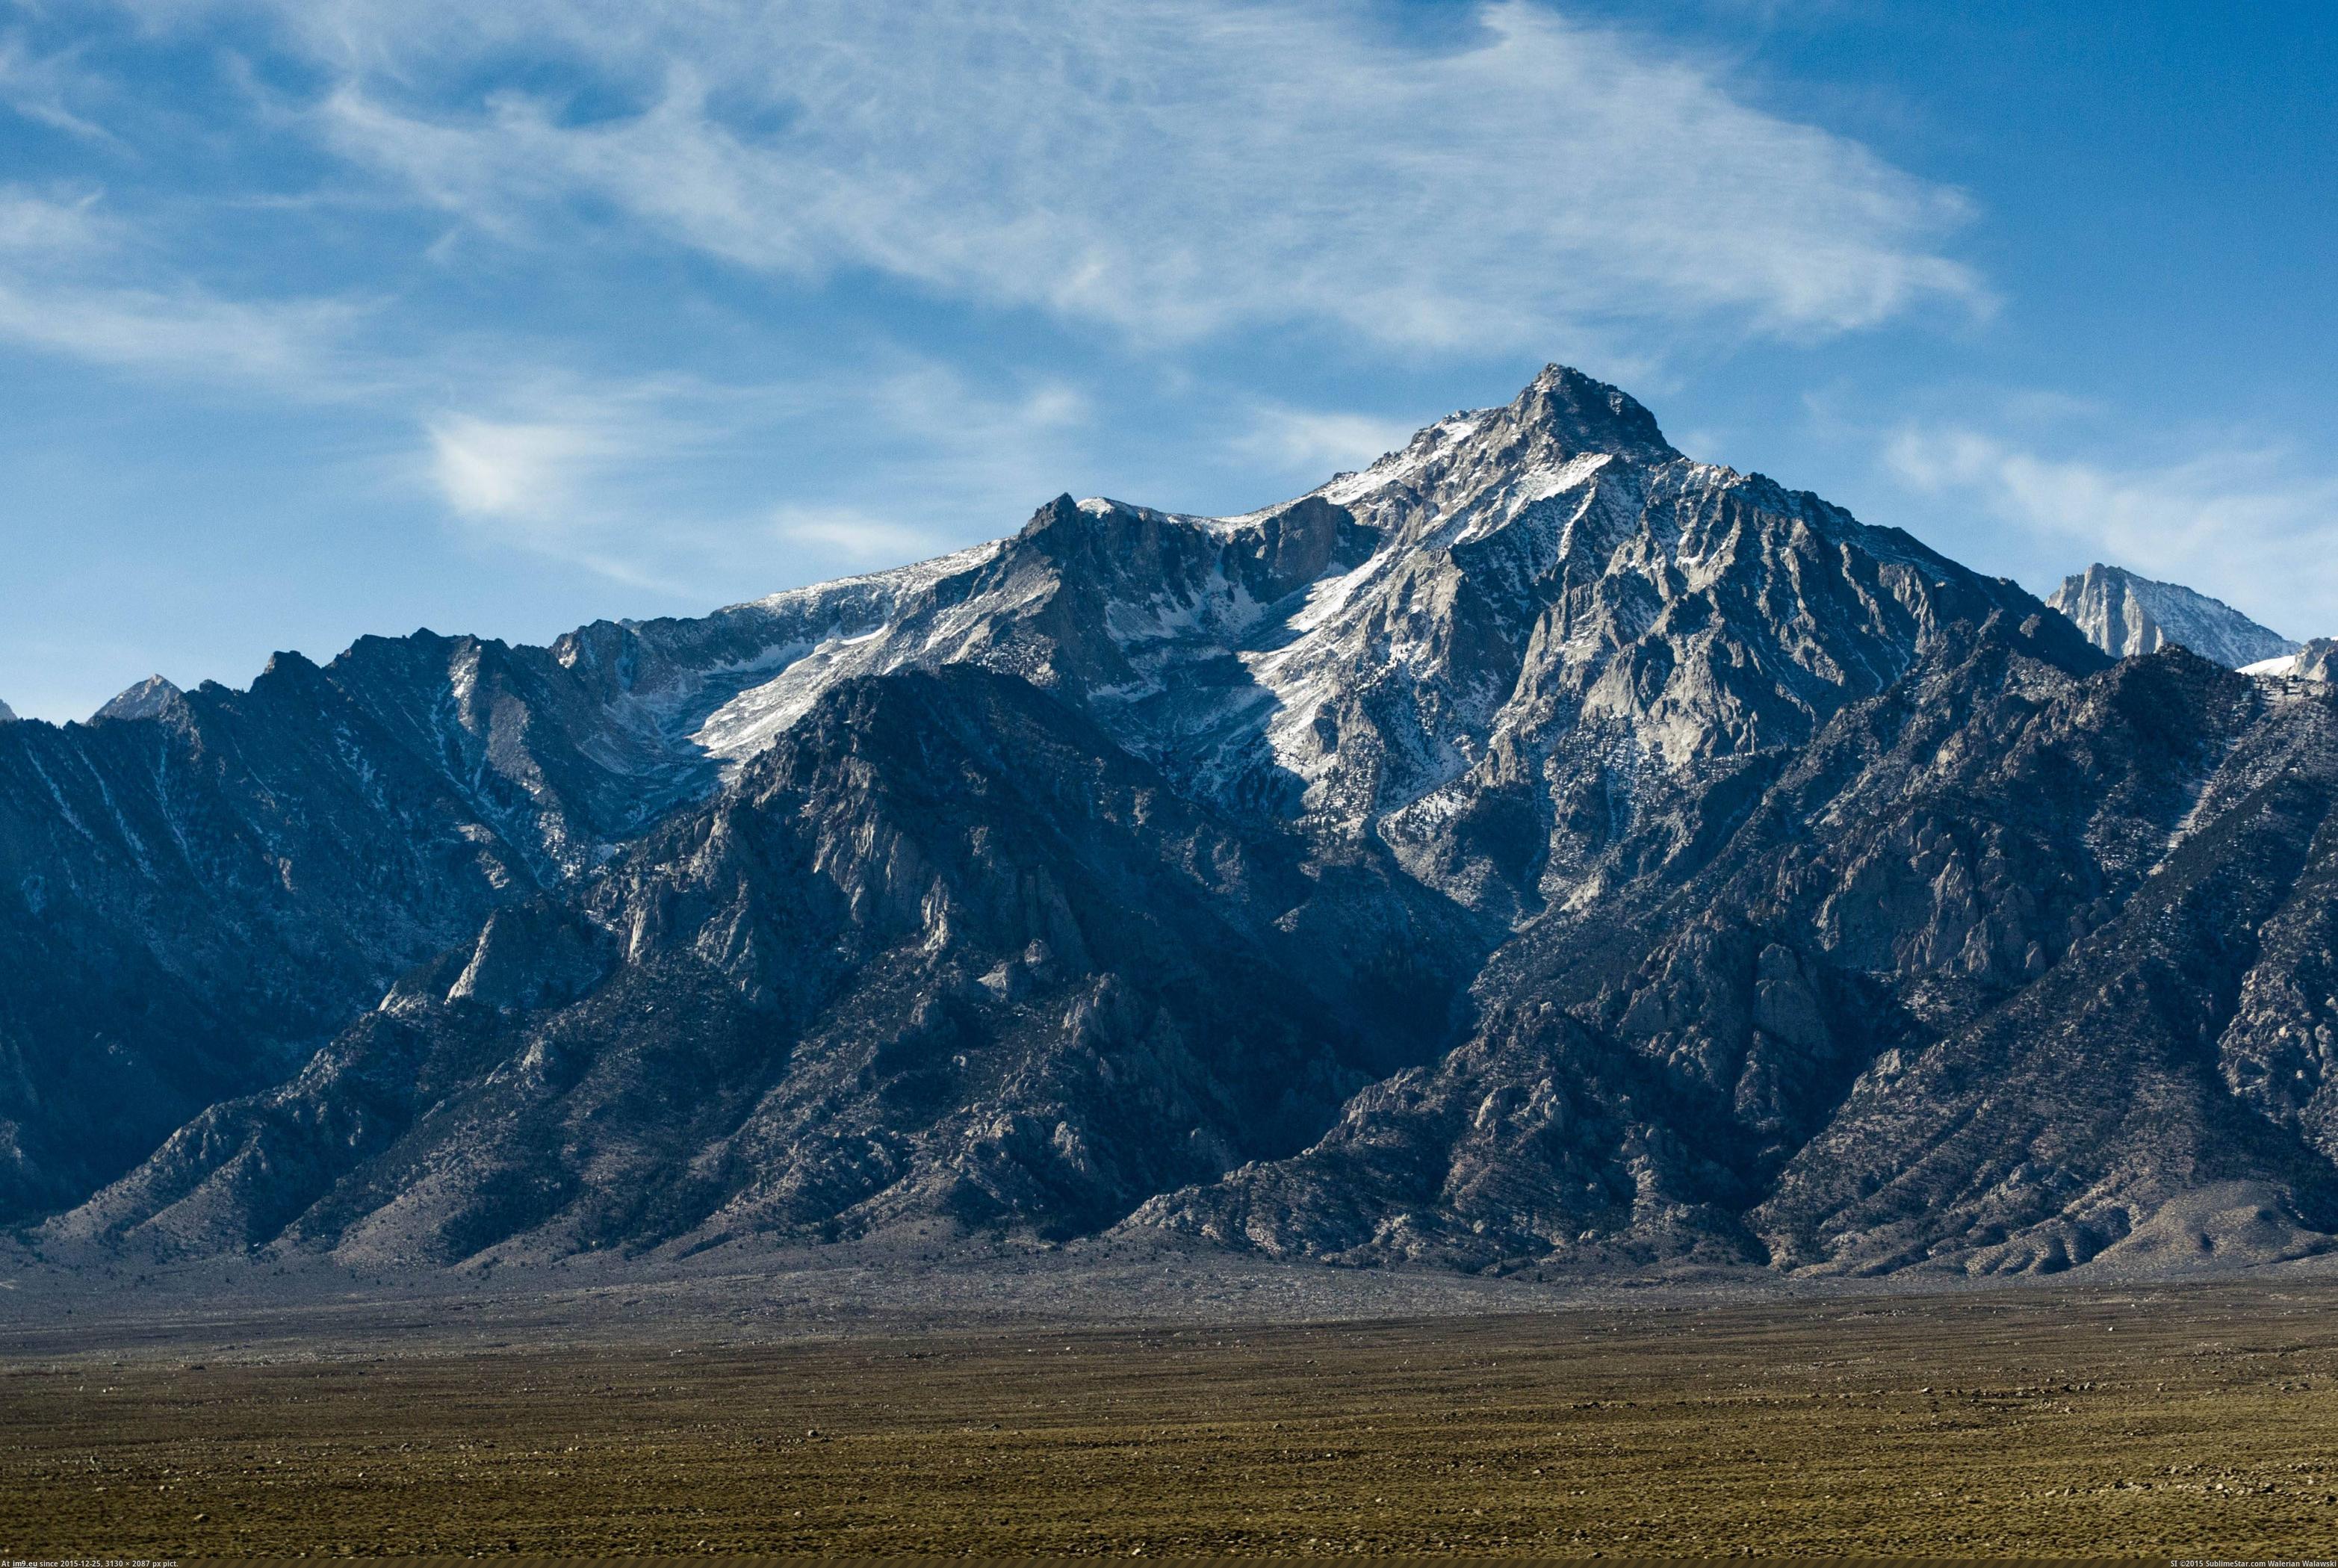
[1538,851]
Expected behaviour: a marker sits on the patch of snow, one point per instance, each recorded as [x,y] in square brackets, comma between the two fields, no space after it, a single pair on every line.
[751,721]
[1329,594]
[463,673]
[1104,507]
[1425,448]
[1539,484]
[905,579]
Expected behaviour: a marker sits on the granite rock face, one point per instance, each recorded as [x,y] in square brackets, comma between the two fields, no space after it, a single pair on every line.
[2124,614]
[1538,851]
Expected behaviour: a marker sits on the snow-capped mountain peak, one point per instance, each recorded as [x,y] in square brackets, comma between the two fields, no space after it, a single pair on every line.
[1395,647]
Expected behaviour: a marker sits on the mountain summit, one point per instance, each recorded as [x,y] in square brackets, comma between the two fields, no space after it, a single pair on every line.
[1546,588]
[1538,850]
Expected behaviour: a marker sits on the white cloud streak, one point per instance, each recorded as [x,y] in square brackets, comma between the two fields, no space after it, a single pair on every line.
[1171,171]
[2248,528]
[189,334]
[587,473]
[857,537]
[33,225]
[1313,443]
[525,474]
[571,472]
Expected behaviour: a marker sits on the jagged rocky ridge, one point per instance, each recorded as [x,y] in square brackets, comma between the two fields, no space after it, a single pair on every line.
[201,888]
[1539,850]
[2123,613]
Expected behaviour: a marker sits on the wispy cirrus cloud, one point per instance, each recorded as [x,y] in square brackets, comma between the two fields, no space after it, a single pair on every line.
[1171,172]
[42,87]
[69,286]
[186,333]
[2258,528]
[35,225]
[573,470]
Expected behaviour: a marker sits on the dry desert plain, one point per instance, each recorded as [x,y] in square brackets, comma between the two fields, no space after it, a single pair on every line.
[1228,1409]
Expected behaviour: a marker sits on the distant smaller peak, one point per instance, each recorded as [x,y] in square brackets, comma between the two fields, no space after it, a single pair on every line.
[2126,614]
[7,715]
[151,698]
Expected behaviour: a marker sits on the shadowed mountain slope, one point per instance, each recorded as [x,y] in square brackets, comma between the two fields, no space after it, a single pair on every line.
[943,955]
[203,887]
[1981,991]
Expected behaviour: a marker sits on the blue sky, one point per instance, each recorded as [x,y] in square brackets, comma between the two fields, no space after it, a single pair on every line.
[324,317]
